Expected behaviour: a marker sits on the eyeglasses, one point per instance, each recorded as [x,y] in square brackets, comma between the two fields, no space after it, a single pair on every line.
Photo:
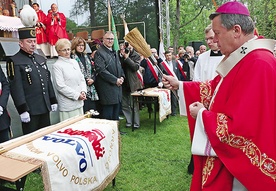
[65,50]
[110,39]
[80,45]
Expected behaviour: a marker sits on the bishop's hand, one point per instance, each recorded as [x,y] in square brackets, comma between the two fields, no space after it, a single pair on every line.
[170,82]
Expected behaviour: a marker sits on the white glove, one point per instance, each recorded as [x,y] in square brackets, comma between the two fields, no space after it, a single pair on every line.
[54,107]
[160,84]
[25,117]
[1,110]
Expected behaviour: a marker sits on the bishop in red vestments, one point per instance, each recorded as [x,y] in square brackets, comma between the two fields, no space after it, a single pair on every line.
[232,118]
[56,27]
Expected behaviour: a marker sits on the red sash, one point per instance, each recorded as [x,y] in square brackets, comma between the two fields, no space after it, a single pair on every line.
[179,66]
[140,77]
[150,65]
[168,69]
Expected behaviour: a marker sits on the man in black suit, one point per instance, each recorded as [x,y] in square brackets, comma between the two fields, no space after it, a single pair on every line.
[109,79]
[31,86]
[170,68]
[5,120]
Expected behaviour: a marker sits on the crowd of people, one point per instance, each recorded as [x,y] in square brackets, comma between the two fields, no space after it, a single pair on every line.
[84,82]
[216,87]
[102,81]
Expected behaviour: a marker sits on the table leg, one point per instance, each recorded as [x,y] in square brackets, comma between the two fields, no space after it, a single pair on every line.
[113,182]
[155,110]
[20,183]
[133,102]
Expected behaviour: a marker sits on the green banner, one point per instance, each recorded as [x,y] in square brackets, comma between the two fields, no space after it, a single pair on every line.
[113,29]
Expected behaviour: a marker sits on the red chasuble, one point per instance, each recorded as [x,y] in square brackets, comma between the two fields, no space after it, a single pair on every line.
[240,125]
[40,32]
[56,29]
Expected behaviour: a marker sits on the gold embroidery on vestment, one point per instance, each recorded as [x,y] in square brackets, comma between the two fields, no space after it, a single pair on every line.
[208,167]
[205,93]
[254,154]
[205,99]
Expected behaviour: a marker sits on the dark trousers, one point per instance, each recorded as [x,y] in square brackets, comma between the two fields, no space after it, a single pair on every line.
[191,166]
[4,135]
[89,104]
[37,122]
[174,103]
[110,112]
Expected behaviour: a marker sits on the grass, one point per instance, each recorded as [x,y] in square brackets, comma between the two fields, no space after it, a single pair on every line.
[149,162]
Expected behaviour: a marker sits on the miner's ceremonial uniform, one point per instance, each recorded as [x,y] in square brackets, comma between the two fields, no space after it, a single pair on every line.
[31,89]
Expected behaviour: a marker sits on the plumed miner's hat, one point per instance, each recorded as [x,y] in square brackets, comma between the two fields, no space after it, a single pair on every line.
[28,18]
[231,7]
[26,32]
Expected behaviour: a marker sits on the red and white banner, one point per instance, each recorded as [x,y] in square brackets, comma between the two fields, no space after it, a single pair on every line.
[164,99]
[82,156]
[161,50]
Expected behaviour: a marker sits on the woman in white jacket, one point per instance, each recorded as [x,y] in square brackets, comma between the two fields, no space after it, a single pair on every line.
[68,81]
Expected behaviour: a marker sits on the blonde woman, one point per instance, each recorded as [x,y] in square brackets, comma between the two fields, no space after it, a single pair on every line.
[68,81]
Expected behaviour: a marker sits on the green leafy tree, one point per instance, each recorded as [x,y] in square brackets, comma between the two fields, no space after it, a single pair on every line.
[188,18]
[264,16]
[134,11]
[83,6]
[144,10]
[70,24]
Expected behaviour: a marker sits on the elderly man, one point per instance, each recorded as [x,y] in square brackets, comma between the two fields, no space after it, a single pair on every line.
[110,78]
[31,86]
[232,118]
[202,48]
[56,28]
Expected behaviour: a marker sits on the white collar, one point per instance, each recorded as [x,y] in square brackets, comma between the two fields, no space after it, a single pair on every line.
[225,66]
[65,59]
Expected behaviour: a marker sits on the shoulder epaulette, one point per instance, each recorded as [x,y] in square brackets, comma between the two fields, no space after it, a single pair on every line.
[10,69]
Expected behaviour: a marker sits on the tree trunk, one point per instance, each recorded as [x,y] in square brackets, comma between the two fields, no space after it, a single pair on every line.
[177,26]
[92,13]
